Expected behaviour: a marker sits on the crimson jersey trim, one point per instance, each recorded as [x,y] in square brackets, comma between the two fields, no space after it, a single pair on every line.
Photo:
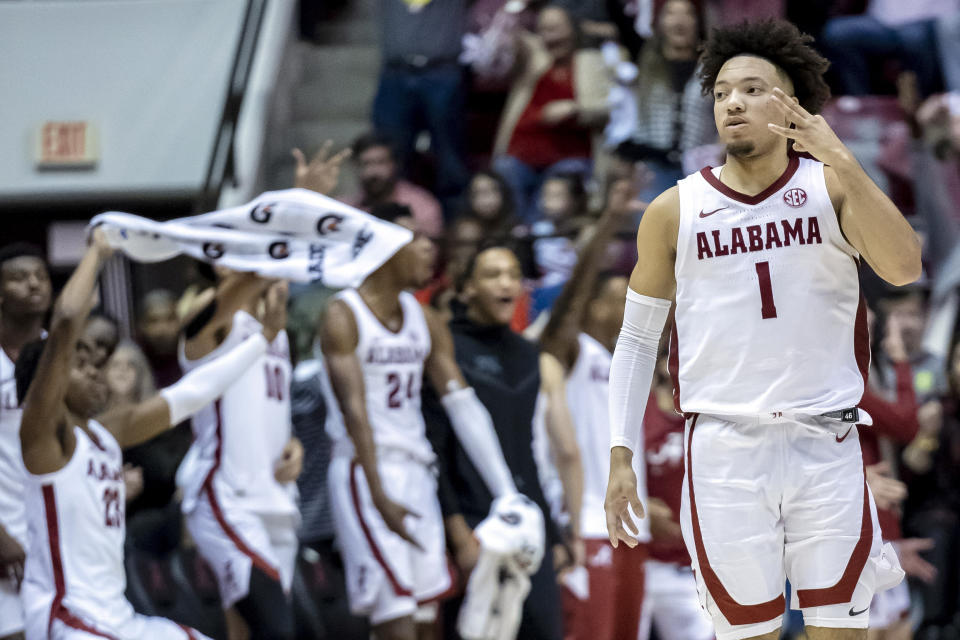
[792,165]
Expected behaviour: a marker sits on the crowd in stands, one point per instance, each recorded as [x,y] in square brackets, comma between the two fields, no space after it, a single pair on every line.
[601,110]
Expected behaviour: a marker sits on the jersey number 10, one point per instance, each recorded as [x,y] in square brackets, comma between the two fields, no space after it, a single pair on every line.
[767,308]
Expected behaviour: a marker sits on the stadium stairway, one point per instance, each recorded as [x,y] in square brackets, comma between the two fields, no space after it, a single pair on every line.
[324,91]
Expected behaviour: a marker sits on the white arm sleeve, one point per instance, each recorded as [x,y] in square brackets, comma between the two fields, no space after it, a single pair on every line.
[207,382]
[475,431]
[631,370]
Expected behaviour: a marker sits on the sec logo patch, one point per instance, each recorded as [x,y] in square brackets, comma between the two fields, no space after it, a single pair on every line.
[795,197]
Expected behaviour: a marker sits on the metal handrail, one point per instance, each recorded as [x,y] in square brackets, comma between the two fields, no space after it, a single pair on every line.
[222,164]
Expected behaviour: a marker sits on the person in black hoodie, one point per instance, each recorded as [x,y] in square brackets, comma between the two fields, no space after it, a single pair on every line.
[509,374]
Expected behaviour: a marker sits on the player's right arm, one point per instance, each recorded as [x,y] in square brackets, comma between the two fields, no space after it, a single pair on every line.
[338,341]
[652,289]
[43,406]
[560,336]
[210,326]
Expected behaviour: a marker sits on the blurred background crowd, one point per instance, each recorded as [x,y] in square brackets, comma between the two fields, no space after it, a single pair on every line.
[519,123]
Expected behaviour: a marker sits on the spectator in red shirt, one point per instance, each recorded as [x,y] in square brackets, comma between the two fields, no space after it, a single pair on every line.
[557,102]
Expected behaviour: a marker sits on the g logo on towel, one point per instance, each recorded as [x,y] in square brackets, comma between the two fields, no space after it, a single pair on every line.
[279,250]
[213,250]
[262,213]
[328,223]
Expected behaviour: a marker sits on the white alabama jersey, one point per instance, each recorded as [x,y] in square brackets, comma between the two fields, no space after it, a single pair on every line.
[239,438]
[392,364]
[588,389]
[76,518]
[769,315]
[12,472]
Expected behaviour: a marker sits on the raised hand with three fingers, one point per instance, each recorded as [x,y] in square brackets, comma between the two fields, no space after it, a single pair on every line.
[811,133]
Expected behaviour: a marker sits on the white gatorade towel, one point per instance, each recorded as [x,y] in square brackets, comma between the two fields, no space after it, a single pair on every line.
[292,234]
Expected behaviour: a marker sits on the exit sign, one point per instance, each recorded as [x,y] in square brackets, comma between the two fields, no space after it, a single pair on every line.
[66,145]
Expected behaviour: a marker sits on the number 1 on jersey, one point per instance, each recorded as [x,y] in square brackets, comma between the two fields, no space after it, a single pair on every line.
[767,308]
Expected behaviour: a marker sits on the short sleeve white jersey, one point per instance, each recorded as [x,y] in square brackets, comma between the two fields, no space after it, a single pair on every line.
[769,315]
[12,472]
[239,438]
[392,364]
[588,387]
[76,519]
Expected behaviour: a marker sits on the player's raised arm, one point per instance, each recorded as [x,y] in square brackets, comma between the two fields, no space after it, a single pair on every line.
[469,418]
[195,390]
[43,405]
[559,338]
[207,329]
[869,219]
[338,341]
[652,288]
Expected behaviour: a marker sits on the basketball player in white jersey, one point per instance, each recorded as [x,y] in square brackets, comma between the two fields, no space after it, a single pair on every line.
[378,344]
[74,581]
[239,496]
[24,302]
[769,353]
[581,334]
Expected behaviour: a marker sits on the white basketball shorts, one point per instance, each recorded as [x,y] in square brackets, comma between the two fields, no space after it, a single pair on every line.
[387,577]
[671,604]
[781,498]
[232,540]
[11,609]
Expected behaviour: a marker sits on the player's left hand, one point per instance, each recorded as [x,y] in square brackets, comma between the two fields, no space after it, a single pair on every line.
[812,133]
[291,462]
[322,173]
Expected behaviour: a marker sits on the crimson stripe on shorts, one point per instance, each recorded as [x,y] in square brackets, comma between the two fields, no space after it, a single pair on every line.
[842,591]
[187,630]
[448,592]
[398,589]
[733,611]
[238,542]
[57,610]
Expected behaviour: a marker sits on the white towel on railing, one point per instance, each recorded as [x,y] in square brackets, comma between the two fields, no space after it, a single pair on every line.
[293,234]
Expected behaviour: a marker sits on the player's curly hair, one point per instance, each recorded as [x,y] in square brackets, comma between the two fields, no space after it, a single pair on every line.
[778,41]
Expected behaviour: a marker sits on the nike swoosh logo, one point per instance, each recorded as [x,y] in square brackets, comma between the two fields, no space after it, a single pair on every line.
[841,439]
[856,613]
[706,214]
